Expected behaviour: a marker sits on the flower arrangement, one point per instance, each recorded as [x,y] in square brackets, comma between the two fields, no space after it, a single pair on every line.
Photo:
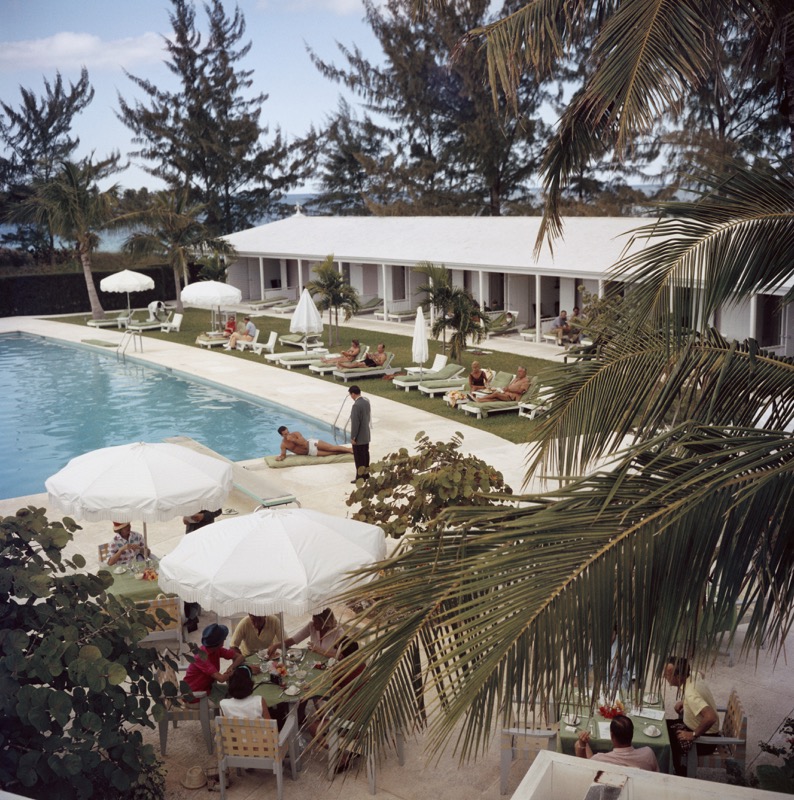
[278,672]
[609,712]
[149,574]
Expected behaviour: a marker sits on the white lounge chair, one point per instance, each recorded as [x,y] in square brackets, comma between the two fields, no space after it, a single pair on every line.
[149,324]
[435,386]
[175,325]
[266,347]
[409,382]
[482,410]
[309,340]
[117,321]
[366,372]
[439,362]
[244,345]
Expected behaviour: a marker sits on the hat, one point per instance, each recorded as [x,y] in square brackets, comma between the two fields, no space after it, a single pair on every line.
[194,778]
[117,526]
[214,635]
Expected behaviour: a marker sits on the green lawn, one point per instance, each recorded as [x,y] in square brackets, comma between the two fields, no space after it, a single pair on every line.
[508,425]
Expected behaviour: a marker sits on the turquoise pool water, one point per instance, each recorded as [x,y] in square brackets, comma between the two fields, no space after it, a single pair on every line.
[59,401]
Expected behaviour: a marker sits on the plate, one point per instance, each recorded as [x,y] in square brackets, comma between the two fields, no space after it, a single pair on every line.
[570,719]
[295,654]
[291,691]
[652,731]
[650,698]
[331,661]
[119,570]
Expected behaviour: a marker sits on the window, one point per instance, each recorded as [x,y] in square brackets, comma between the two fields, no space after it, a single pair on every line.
[769,316]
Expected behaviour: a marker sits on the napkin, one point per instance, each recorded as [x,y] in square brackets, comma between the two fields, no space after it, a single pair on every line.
[650,713]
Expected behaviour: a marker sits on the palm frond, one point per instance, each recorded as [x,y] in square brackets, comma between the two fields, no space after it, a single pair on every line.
[525,599]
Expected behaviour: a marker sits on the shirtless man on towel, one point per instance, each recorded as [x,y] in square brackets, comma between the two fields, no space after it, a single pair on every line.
[296,443]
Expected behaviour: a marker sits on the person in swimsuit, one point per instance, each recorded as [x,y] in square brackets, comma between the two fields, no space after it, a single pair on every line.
[345,355]
[295,442]
[370,360]
[512,391]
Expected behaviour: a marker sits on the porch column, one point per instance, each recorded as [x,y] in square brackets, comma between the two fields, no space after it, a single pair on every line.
[262,277]
[300,277]
[538,337]
[284,274]
[386,293]
[482,290]
[600,289]
[751,334]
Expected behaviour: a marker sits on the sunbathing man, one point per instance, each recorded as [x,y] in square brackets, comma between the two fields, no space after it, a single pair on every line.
[345,355]
[512,391]
[296,443]
[370,359]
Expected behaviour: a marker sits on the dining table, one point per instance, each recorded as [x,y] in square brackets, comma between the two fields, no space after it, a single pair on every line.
[302,675]
[650,729]
[127,584]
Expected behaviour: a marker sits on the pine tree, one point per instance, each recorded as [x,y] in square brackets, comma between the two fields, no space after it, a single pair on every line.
[206,136]
[444,147]
[36,137]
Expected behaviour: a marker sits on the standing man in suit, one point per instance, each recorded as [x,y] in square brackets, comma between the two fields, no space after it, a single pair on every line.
[360,432]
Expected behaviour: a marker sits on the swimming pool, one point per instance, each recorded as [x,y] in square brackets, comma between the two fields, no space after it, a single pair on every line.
[61,400]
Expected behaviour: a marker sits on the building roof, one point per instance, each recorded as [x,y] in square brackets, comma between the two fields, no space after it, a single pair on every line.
[589,246]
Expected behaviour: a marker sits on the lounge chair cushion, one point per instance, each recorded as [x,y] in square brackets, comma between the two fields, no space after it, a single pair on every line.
[307,461]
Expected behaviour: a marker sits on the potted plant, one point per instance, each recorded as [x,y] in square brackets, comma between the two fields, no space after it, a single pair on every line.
[779,777]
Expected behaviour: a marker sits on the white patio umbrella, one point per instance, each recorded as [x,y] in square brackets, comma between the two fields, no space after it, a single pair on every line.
[306,318]
[140,481]
[210,294]
[419,343]
[126,281]
[273,561]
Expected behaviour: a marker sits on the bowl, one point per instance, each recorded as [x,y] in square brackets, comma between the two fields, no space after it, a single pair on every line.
[570,719]
[650,698]
[292,690]
[652,731]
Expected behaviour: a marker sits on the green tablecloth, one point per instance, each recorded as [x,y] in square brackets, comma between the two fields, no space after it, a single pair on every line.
[274,694]
[659,744]
[126,585]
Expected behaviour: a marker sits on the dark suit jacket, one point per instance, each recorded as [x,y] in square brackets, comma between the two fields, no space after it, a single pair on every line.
[360,421]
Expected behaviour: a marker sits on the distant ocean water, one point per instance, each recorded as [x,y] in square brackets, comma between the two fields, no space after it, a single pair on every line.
[111,241]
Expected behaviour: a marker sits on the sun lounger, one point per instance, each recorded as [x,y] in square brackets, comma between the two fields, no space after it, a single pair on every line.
[401,316]
[209,341]
[269,302]
[243,344]
[366,372]
[116,321]
[498,381]
[371,306]
[245,480]
[505,323]
[149,324]
[482,410]
[285,308]
[538,403]
[303,359]
[439,362]
[435,386]
[311,340]
[292,355]
[408,382]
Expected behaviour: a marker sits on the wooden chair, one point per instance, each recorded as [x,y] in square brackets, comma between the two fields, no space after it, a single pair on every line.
[103,550]
[256,744]
[731,744]
[184,712]
[335,727]
[531,727]
[167,630]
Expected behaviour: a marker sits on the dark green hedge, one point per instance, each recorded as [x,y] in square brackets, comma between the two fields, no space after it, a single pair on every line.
[59,293]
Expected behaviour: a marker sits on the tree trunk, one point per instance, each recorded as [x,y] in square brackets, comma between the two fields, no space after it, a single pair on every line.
[97,312]
[178,290]
[787,42]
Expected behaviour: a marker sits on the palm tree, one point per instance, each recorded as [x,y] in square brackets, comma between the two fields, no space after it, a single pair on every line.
[335,294]
[72,207]
[695,512]
[172,229]
[454,309]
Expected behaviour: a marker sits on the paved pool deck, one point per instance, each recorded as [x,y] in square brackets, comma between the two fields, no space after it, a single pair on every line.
[766,688]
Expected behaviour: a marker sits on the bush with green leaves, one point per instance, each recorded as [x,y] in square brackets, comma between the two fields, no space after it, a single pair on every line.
[409,492]
[75,685]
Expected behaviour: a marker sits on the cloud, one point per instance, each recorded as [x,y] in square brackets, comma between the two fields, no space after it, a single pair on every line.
[66,51]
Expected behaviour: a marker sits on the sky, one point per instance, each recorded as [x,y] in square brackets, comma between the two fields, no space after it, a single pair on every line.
[40,37]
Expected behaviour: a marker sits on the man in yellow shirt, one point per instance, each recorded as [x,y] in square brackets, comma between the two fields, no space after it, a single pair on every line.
[254,633]
[699,712]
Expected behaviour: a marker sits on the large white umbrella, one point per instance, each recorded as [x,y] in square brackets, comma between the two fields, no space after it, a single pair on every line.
[306,318]
[269,562]
[210,294]
[126,281]
[419,344]
[140,481]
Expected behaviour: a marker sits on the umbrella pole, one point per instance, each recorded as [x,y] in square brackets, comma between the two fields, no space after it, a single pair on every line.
[283,640]
[145,542]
